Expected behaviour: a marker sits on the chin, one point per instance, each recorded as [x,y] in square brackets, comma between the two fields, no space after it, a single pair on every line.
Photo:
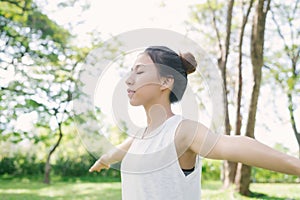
[133,103]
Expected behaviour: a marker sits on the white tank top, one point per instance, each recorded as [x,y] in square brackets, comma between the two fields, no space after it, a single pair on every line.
[151,171]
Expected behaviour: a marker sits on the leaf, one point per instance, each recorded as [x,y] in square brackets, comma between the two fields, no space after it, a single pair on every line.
[32,103]
[15,137]
[291,83]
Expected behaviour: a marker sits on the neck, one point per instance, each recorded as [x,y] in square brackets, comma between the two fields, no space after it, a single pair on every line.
[157,114]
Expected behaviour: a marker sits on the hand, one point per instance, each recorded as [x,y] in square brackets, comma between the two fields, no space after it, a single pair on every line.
[99,165]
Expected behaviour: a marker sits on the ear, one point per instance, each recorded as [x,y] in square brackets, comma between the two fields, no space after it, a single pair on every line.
[167,83]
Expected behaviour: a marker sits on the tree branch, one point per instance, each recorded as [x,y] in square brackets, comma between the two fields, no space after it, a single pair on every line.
[292,117]
[216,28]
[17,3]
[280,34]
[228,29]
[295,8]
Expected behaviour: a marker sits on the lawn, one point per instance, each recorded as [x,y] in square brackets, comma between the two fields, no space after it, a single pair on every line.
[24,188]
[269,191]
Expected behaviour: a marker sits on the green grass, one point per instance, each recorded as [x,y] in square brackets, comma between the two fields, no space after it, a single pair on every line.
[65,189]
[90,188]
[263,191]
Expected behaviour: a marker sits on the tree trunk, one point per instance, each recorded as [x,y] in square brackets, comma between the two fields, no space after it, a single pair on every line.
[293,122]
[228,171]
[292,118]
[290,100]
[222,62]
[257,44]
[48,165]
[230,168]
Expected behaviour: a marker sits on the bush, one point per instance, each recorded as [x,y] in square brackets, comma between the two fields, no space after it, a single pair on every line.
[211,169]
[266,176]
[29,165]
[21,165]
[77,167]
[7,166]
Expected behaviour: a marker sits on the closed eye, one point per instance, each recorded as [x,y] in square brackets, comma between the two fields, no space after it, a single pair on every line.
[139,72]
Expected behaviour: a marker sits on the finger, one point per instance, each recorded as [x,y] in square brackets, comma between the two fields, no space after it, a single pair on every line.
[92,169]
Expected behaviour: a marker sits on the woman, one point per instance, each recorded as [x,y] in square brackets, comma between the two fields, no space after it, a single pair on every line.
[163,162]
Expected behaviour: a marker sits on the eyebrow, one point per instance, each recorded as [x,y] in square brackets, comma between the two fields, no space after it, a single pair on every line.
[137,66]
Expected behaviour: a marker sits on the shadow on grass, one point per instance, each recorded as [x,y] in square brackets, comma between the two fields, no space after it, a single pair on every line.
[265,196]
[213,190]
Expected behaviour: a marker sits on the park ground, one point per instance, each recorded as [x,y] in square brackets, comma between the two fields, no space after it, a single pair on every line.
[88,188]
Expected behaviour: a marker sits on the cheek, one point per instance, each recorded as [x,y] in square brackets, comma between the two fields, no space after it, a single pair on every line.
[150,90]
[146,80]
[147,88]
[146,94]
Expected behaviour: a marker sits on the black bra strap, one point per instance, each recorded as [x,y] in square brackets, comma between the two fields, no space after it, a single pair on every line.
[188,171]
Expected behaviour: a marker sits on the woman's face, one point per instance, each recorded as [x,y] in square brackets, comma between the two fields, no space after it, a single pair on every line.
[143,82]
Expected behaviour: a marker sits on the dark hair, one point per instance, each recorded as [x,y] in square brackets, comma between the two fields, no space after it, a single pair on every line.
[178,66]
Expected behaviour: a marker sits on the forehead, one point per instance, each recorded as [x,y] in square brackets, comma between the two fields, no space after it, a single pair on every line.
[142,59]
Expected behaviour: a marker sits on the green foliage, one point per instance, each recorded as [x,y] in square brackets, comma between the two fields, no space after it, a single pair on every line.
[38,21]
[211,169]
[79,167]
[7,166]
[28,32]
[35,48]
[266,176]
[284,58]
[21,165]
[117,136]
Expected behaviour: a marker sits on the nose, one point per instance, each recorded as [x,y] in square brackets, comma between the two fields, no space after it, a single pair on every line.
[129,80]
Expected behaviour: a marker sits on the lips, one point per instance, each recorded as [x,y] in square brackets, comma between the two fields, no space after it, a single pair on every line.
[130,92]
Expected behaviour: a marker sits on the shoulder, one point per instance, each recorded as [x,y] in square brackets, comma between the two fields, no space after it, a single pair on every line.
[197,137]
[188,126]
[188,129]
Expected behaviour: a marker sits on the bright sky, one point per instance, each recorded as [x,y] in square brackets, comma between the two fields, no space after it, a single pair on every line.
[115,16]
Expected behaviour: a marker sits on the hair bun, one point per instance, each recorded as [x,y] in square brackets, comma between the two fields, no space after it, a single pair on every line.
[188,61]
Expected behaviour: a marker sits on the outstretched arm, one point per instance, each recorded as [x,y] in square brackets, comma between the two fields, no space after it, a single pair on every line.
[251,152]
[112,156]
[239,149]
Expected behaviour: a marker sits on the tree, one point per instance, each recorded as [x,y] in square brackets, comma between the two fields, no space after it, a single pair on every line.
[285,71]
[231,170]
[45,67]
[212,10]
[238,124]
[217,9]
[29,37]
[257,53]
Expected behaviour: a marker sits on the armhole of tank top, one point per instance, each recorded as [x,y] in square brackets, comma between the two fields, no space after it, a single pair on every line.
[198,158]
[179,169]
